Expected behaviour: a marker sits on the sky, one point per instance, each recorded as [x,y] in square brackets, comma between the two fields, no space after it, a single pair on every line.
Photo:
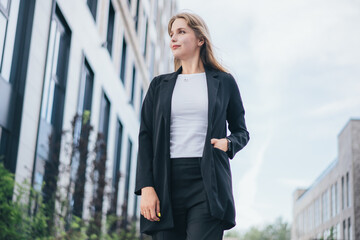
[297,65]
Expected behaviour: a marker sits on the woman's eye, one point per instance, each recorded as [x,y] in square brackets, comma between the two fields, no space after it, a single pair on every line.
[181,31]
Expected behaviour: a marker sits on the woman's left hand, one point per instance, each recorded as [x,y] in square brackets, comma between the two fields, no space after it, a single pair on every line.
[221,143]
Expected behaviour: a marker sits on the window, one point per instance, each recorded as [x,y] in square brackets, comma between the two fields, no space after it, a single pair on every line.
[140,102]
[317,212]
[152,61]
[342,192]
[84,99]
[99,172]
[4,17]
[92,4]
[52,106]
[135,210]
[110,30]
[10,14]
[104,117]
[338,233]
[300,224]
[127,182]
[81,138]
[4,135]
[333,232]
[349,230]
[311,217]
[123,60]
[334,200]
[348,197]
[326,233]
[56,70]
[133,85]
[136,18]
[116,167]
[325,205]
[337,202]
[307,221]
[146,35]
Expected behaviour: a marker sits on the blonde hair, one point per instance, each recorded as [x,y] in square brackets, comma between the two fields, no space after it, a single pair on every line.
[197,24]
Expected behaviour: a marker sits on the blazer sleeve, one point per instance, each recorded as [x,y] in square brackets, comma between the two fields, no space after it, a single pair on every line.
[235,116]
[144,169]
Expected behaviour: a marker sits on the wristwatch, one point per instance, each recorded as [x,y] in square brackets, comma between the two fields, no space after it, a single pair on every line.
[229,144]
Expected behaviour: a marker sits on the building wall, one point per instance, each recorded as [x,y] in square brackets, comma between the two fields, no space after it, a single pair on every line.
[329,201]
[87,37]
[355,129]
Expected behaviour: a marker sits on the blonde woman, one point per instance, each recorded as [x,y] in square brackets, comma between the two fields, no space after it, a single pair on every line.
[183,170]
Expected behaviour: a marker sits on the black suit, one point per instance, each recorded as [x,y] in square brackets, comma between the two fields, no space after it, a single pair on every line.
[153,166]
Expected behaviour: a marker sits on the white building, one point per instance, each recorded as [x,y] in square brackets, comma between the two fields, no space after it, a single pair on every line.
[332,202]
[94,58]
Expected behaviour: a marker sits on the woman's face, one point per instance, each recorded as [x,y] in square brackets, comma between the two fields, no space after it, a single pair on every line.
[183,44]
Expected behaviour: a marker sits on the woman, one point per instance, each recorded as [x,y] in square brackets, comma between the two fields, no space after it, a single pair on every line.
[183,170]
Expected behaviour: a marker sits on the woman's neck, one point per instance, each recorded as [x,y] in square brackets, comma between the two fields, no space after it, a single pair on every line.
[191,67]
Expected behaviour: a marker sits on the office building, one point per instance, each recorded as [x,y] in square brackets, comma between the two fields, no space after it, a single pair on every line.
[88,58]
[330,207]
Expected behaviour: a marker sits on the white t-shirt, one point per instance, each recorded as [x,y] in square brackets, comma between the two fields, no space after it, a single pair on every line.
[189,116]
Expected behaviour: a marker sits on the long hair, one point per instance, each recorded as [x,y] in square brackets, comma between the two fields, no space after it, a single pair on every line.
[197,24]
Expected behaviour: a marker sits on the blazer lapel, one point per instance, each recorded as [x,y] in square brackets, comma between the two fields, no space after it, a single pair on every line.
[167,89]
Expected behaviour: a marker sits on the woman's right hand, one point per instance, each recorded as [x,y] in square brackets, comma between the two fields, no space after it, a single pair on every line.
[150,204]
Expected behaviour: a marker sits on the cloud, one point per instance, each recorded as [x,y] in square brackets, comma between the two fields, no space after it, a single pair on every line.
[297,65]
[334,108]
[294,182]
[247,213]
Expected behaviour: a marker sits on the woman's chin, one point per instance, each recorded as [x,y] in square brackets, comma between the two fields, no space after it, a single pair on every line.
[177,55]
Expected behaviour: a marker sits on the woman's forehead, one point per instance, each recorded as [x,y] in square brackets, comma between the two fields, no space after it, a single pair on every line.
[178,24]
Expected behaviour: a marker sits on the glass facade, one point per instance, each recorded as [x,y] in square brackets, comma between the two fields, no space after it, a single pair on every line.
[52,106]
[4,135]
[123,60]
[334,200]
[81,139]
[92,4]
[70,90]
[127,182]
[133,86]
[348,190]
[110,29]
[4,17]
[116,175]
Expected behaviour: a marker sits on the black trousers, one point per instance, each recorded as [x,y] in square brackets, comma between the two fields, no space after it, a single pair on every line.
[191,210]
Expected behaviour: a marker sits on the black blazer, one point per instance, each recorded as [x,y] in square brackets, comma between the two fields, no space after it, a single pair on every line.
[153,162]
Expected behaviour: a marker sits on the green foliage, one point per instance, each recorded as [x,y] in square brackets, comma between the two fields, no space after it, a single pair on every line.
[15,222]
[278,230]
[26,219]
[26,214]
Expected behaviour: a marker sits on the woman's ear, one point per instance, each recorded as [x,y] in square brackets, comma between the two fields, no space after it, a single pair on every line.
[201,42]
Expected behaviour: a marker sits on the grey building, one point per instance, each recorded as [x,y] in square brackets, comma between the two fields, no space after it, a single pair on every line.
[88,58]
[331,205]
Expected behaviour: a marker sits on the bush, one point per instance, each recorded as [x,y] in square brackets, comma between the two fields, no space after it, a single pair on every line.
[29,214]
[26,219]
[15,220]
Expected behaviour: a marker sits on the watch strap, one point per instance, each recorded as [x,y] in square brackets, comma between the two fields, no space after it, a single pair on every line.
[229,144]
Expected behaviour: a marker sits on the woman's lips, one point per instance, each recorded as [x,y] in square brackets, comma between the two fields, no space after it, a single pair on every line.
[175,46]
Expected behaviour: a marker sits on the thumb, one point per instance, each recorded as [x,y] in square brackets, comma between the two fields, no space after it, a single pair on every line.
[213,140]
